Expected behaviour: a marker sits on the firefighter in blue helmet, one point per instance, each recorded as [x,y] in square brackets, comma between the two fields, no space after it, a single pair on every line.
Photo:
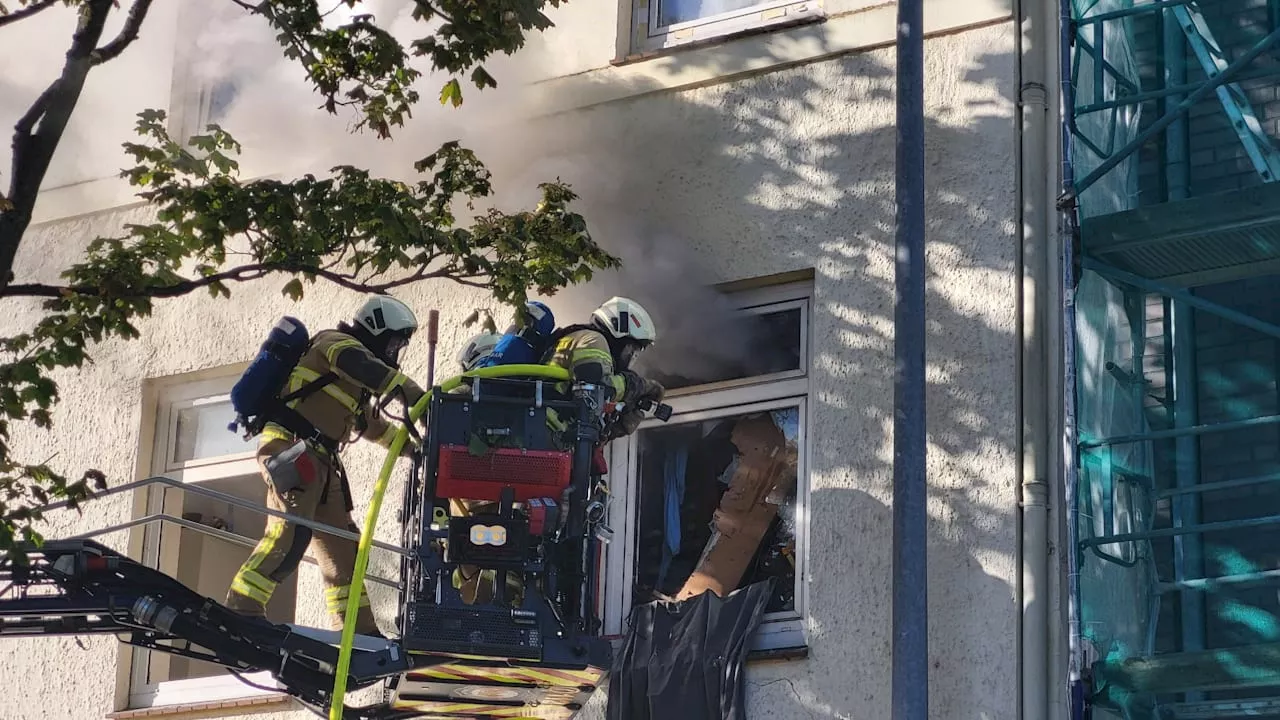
[525,341]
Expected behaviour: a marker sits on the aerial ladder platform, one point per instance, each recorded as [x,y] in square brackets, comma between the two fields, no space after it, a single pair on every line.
[508,480]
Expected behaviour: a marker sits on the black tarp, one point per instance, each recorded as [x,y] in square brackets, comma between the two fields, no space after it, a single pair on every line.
[684,659]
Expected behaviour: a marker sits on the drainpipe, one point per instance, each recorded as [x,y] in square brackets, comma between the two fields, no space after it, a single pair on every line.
[1036,28]
[910,624]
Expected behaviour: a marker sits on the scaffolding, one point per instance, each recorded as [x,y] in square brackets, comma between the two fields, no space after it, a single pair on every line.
[1174,492]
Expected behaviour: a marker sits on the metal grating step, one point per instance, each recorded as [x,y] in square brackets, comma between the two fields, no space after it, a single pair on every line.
[1223,709]
[1202,240]
[1238,668]
[488,631]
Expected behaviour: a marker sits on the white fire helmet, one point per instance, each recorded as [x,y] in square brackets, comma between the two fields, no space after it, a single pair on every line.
[477,349]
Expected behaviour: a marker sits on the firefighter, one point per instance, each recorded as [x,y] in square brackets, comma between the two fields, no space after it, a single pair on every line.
[298,454]
[478,348]
[601,353]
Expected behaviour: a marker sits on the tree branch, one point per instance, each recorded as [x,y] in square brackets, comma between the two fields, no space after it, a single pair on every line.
[437,12]
[243,273]
[127,35]
[25,12]
[22,129]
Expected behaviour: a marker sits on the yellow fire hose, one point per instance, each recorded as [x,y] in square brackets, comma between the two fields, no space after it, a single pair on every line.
[543,372]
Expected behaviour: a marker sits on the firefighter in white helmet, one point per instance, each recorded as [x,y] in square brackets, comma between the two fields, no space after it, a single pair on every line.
[339,376]
[479,347]
[601,352]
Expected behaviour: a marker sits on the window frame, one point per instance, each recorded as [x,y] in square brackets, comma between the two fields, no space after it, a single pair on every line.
[648,34]
[185,397]
[777,631]
[170,399]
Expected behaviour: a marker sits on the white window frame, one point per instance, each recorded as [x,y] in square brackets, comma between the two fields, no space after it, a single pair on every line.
[173,398]
[777,631]
[649,34]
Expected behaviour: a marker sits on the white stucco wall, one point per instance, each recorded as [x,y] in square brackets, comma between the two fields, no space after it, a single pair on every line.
[759,175]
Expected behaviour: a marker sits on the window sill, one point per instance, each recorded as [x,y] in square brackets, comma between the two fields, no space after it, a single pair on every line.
[212,708]
[763,29]
[687,66]
[778,655]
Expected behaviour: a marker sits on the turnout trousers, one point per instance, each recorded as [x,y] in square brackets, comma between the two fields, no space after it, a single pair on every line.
[305,483]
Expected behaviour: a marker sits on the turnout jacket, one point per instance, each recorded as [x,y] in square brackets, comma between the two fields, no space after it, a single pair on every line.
[341,410]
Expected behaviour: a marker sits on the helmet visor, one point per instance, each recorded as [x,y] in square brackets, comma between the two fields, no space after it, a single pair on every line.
[395,344]
[628,352]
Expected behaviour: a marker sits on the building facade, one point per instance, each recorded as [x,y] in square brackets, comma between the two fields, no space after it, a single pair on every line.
[741,162]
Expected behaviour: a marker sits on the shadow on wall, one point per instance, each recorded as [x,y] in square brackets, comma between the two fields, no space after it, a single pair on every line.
[972,647]
[793,170]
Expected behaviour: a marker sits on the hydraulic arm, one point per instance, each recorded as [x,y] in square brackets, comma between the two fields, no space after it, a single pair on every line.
[533,454]
[77,587]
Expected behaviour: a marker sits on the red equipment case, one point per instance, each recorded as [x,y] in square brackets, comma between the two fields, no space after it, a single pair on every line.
[530,473]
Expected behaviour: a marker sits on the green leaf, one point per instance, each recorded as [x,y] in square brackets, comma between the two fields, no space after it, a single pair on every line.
[451,93]
[483,79]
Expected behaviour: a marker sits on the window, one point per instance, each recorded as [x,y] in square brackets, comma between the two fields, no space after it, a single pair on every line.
[194,446]
[677,476]
[669,23]
[212,72]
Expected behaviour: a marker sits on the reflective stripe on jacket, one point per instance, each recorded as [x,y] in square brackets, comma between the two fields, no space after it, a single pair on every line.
[585,354]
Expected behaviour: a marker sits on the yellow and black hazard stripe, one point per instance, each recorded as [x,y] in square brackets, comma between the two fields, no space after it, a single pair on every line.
[511,674]
[450,708]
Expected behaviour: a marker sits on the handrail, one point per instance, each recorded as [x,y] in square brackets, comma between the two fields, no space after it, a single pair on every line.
[231,500]
[207,530]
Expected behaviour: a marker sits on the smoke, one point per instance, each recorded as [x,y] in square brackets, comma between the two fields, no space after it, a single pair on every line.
[268,104]
[701,334]
[230,68]
[32,55]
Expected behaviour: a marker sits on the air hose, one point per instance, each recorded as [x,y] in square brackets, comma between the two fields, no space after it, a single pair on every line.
[542,372]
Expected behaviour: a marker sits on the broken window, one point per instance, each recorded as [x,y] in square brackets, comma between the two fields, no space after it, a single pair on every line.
[717,506]
[760,343]
[732,456]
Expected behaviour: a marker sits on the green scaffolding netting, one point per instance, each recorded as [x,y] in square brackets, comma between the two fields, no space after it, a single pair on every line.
[1186,626]
[1104,66]
[1115,579]
[1115,602]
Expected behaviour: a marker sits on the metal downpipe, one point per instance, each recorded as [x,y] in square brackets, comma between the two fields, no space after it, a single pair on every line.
[1035,198]
[910,626]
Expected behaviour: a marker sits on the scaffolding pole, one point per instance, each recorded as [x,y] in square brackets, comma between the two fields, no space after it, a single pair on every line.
[1072,194]
[1188,550]
[910,673]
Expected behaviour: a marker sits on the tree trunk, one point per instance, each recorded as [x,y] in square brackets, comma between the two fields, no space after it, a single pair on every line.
[37,134]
